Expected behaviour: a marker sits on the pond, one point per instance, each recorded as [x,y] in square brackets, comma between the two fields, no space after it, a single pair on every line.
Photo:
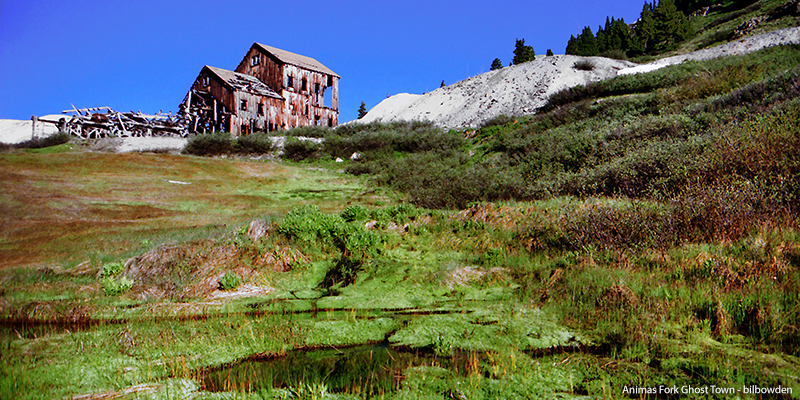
[367,369]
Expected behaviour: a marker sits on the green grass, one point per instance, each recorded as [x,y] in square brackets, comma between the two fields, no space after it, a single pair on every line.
[643,232]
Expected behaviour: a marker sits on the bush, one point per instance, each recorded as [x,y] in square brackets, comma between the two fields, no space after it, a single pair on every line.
[615,54]
[115,287]
[583,65]
[257,143]
[355,213]
[40,143]
[307,224]
[111,269]
[229,281]
[299,150]
[210,144]
[312,131]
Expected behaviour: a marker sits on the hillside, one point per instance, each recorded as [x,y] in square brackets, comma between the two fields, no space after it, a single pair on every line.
[635,235]
[522,89]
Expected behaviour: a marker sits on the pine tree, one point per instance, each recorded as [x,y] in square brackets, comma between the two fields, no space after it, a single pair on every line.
[587,43]
[496,64]
[572,46]
[645,28]
[523,53]
[362,110]
[670,26]
[442,85]
[549,53]
[620,35]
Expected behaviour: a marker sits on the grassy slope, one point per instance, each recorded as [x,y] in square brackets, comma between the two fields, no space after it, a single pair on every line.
[656,244]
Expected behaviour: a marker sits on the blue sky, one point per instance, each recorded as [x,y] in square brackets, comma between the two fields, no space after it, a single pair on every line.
[144,55]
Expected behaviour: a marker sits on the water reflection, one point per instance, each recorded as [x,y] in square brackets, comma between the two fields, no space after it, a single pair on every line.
[369,369]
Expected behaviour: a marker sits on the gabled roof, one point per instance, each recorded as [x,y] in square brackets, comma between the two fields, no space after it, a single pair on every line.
[288,57]
[243,82]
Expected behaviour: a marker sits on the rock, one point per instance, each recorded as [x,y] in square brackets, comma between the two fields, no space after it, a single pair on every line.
[356,156]
[338,160]
[257,230]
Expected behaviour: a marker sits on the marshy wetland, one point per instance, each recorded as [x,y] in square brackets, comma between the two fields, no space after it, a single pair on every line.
[640,233]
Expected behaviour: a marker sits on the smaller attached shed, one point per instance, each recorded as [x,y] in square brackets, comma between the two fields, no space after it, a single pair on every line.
[231,101]
[310,89]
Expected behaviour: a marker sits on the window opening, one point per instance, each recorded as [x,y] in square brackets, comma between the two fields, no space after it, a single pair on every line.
[290,82]
[260,109]
[303,84]
[243,105]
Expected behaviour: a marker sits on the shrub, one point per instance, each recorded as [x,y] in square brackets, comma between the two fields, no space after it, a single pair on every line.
[229,281]
[499,120]
[583,65]
[257,143]
[39,143]
[299,150]
[115,287]
[307,224]
[111,269]
[615,54]
[210,144]
[355,212]
[311,131]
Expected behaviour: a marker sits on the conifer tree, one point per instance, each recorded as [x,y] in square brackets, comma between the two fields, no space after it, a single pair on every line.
[620,35]
[549,53]
[572,46]
[496,64]
[442,85]
[645,28]
[523,53]
[587,43]
[670,26]
[362,110]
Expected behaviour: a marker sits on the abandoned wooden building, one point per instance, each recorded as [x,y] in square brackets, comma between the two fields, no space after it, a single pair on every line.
[271,89]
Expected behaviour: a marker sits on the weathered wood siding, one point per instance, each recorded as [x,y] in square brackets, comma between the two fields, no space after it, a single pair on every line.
[238,112]
[305,91]
[304,106]
[268,69]
[209,83]
[255,113]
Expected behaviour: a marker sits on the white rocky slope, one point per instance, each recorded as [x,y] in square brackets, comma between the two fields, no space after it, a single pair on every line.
[521,89]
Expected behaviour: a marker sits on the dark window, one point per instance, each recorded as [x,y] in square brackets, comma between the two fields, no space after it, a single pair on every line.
[255,60]
[306,109]
[330,122]
[260,109]
[244,105]
[290,82]
[330,80]
[303,84]
[316,88]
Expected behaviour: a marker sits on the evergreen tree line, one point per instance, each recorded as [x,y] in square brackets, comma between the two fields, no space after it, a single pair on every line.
[661,27]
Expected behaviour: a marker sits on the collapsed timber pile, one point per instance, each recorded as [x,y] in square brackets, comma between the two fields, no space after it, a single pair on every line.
[100,122]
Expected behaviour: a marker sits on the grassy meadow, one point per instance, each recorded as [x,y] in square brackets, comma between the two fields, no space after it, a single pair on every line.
[637,233]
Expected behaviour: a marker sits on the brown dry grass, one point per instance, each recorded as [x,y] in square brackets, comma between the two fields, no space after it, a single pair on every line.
[194,270]
[54,208]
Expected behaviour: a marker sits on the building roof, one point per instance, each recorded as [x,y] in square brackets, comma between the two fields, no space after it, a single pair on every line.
[296,59]
[243,82]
